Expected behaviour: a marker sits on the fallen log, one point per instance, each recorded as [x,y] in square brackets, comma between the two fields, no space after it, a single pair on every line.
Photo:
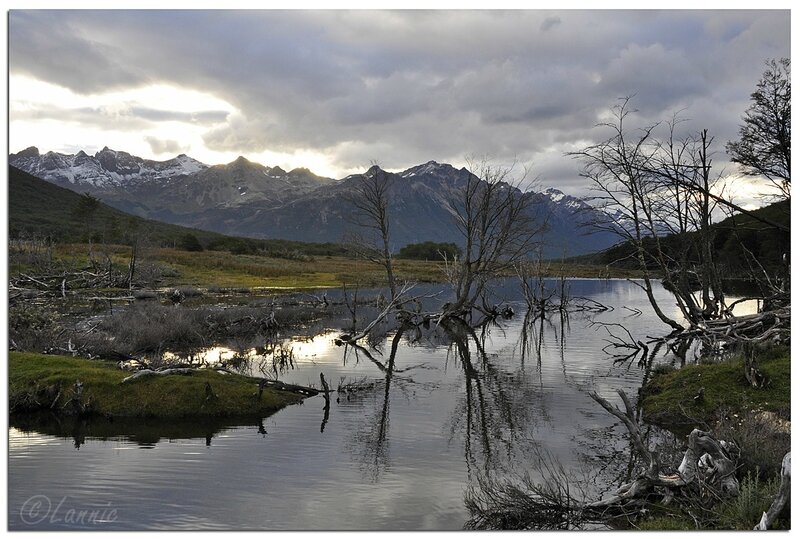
[275,384]
[262,382]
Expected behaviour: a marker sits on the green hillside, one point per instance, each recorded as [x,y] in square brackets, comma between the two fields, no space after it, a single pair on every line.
[39,208]
[766,243]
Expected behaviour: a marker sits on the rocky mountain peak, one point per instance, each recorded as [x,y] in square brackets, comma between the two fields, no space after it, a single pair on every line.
[30,151]
[374,169]
[431,168]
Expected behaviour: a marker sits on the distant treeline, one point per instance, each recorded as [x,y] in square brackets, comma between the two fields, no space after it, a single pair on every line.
[429,250]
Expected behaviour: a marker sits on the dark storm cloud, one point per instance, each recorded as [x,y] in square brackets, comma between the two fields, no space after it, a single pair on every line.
[47,46]
[406,87]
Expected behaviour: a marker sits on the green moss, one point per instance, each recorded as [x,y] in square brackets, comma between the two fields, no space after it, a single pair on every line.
[157,396]
[668,398]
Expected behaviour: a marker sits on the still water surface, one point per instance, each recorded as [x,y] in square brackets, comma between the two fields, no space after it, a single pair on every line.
[399,454]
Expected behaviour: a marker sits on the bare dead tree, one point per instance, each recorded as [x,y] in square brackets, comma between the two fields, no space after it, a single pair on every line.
[371,202]
[499,227]
[682,170]
[650,186]
[616,168]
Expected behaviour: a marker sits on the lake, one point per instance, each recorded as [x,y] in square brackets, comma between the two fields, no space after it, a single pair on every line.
[398,452]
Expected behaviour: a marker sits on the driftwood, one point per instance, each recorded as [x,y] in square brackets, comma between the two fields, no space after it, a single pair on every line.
[706,462]
[773,326]
[707,468]
[150,372]
[710,461]
[782,498]
[262,382]
[274,384]
[57,284]
[75,404]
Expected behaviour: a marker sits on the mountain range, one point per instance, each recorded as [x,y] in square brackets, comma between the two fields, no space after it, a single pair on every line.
[243,198]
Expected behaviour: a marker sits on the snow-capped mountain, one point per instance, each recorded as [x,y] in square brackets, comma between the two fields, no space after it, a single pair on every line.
[248,199]
[106,170]
[420,201]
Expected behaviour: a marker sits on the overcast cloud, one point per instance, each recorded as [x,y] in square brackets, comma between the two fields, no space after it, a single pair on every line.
[401,88]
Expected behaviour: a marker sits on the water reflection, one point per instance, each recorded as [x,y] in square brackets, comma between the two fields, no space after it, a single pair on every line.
[370,442]
[144,433]
[417,416]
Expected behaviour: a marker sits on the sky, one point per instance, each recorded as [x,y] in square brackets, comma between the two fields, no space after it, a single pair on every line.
[334,91]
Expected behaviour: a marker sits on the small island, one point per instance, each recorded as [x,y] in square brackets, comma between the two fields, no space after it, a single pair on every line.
[73,386]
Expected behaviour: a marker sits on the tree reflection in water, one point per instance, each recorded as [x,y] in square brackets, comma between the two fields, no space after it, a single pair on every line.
[370,442]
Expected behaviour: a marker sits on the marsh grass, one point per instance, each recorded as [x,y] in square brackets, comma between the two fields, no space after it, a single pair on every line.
[222,269]
[761,440]
[745,510]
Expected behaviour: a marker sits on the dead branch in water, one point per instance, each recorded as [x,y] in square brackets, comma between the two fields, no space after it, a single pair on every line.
[261,382]
[327,408]
[708,466]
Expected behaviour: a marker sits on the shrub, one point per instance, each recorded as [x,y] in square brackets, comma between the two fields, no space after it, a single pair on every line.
[745,510]
[762,445]
[34,328]
[189,242]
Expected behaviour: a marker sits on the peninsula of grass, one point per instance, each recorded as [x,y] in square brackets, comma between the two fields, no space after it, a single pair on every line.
[668,399]
[35,379]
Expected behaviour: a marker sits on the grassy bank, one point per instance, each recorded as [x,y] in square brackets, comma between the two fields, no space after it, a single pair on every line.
[35,380]
[757,420]
[669,397]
